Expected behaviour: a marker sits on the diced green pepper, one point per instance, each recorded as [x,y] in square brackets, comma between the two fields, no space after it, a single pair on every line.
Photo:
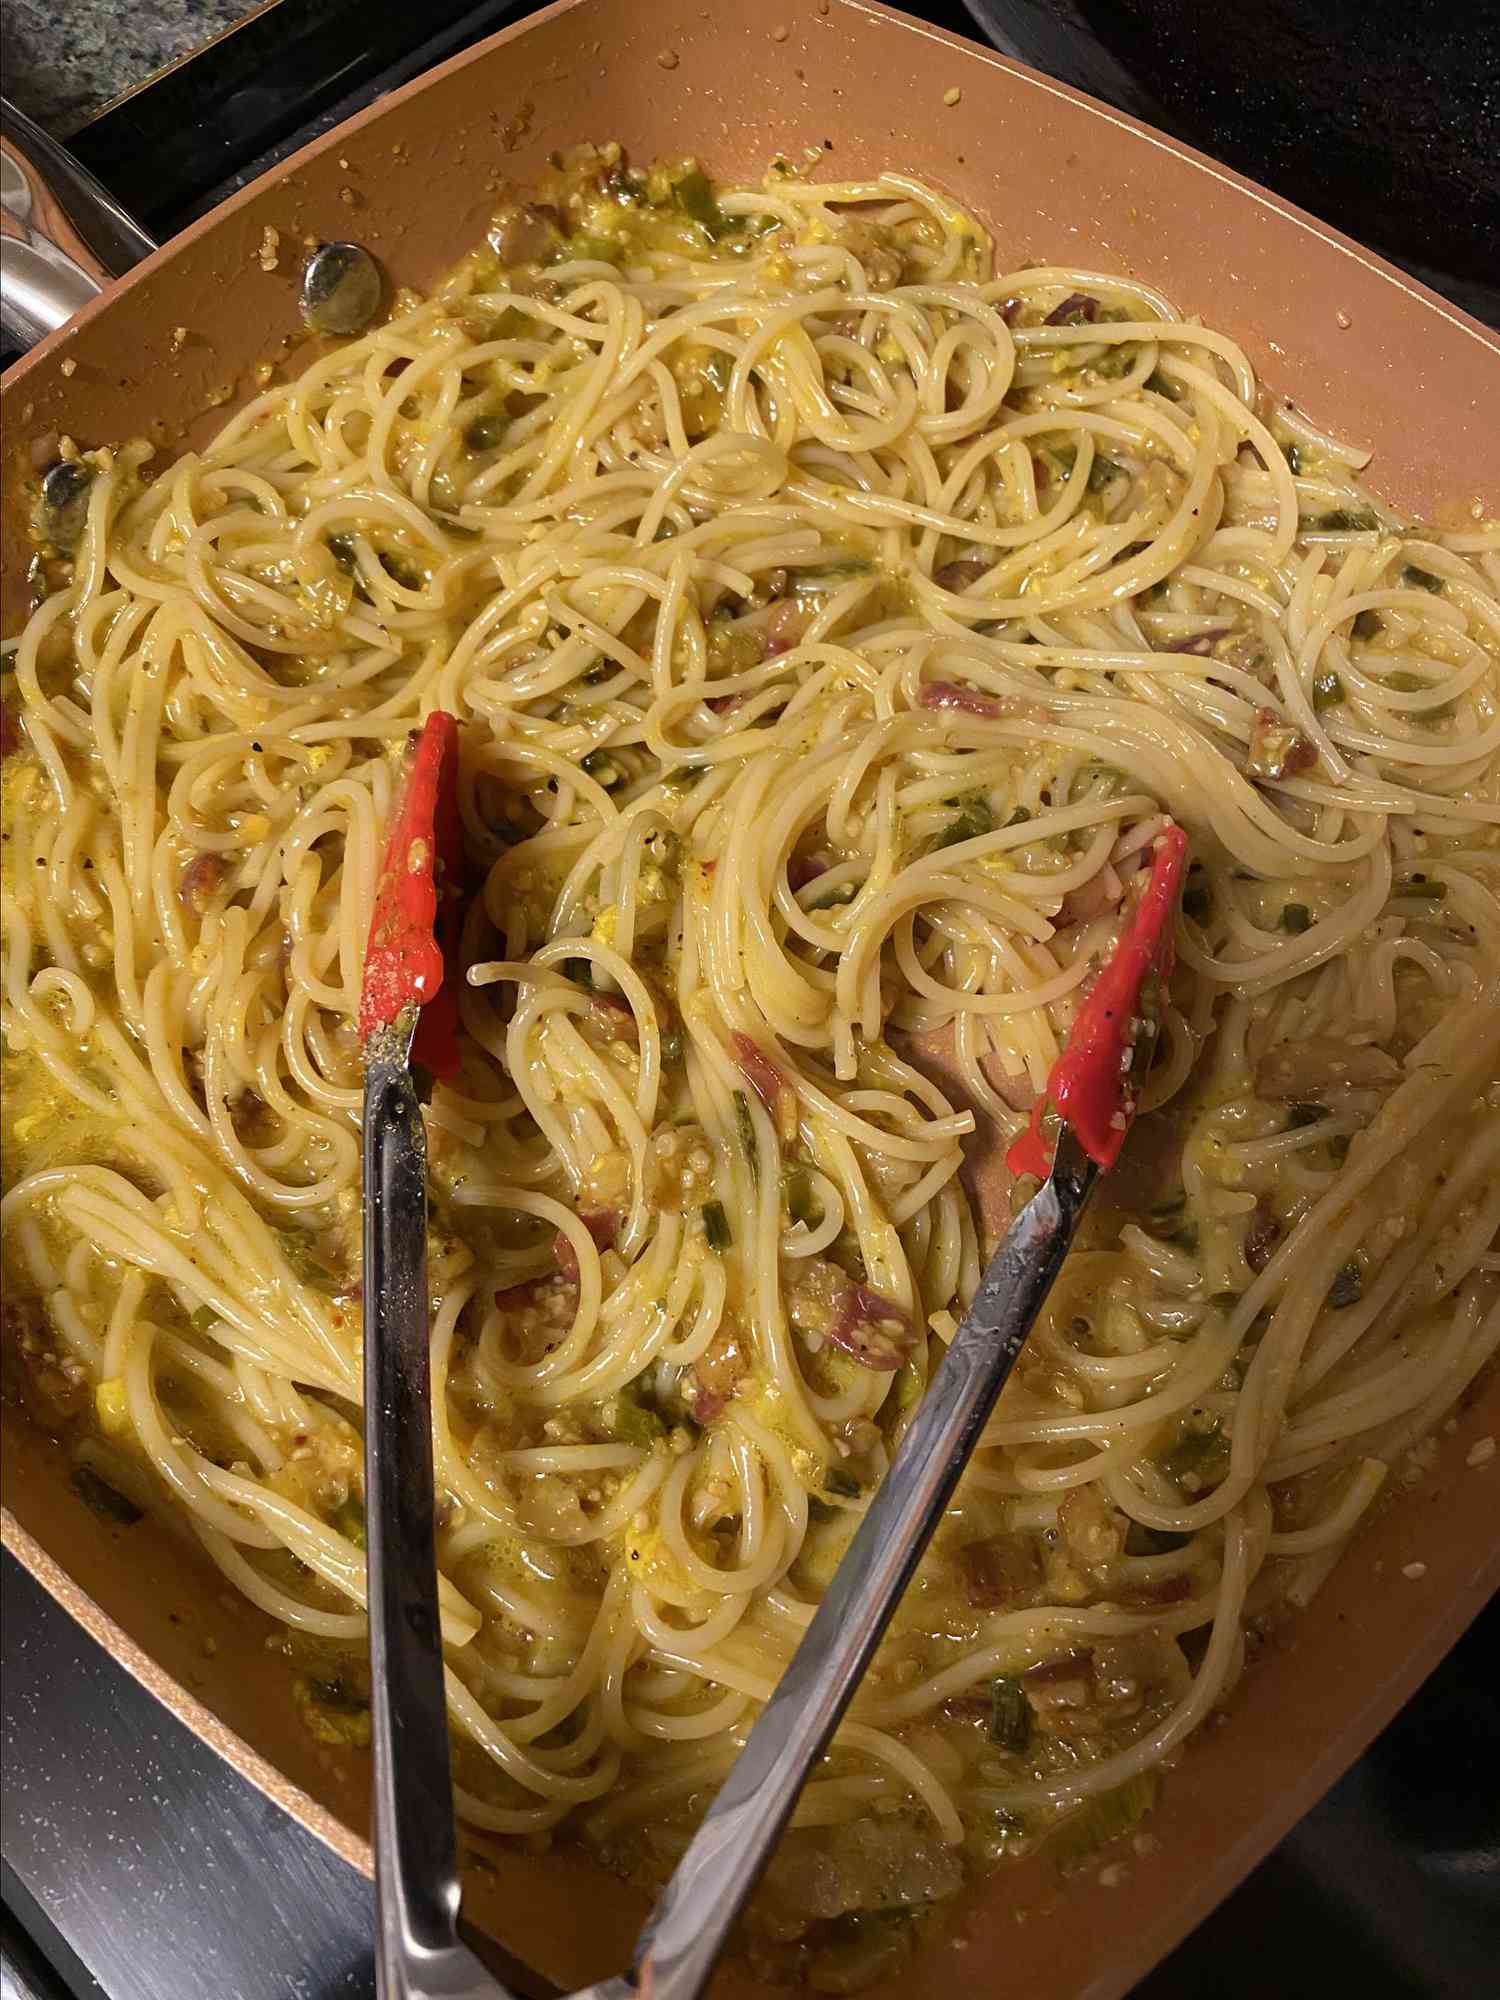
[1328,691]
[485,433]
[635,1420]
[1198,1458]
[744,1126]
[1344,521]
[972,817]
[1143,1541]
[1012,1718]
[796,1188]
[1348,1286]
[350,1520]
[693,193]
[107,1501]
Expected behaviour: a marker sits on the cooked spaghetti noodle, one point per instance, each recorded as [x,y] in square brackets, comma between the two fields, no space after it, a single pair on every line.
[832,623]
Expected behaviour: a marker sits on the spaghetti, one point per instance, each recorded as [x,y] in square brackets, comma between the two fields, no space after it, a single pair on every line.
[833,623]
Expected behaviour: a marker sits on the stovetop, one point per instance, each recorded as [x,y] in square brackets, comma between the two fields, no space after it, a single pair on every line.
[134,1863]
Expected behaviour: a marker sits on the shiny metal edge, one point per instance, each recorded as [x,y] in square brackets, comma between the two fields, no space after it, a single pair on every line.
[173,1696]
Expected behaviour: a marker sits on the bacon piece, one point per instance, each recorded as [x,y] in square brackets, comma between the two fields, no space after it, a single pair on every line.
[1277,750]
[524,233]
[1010,312]
[1316,1065]
[802,869]
[1262,1237]
[200,879]
[872,1331]
[717,1375]
[1103,891]
[603,1224]
[785,625]
[1073,1666]
[953,694]
[957,576]
[514,1298]
[1001,1572]
[1201,643]
[768,1083]
[1170,1589]
[1091,1528]
[613,1018]
[1076,309]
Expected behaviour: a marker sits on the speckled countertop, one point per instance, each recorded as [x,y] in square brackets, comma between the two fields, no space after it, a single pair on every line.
[63,59]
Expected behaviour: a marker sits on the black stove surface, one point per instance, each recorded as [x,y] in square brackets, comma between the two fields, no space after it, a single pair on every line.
[1378,117]
[136,1864]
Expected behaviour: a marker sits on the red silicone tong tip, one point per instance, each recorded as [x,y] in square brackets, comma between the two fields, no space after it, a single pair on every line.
[1090,1086]
[417,903]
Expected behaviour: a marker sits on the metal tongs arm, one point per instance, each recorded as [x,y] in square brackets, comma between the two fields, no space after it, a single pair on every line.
[1090,1098]
[407,1010]
[692,1922]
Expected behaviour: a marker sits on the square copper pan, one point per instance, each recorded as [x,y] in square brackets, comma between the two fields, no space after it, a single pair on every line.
[1363,349]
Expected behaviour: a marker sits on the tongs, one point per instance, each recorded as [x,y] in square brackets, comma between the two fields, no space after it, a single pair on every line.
[1075,1133]
[408,1013]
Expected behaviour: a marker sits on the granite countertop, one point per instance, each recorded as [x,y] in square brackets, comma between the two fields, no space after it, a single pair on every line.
[64,59]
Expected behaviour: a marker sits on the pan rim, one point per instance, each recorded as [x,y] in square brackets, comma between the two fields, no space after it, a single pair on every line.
[1137,130]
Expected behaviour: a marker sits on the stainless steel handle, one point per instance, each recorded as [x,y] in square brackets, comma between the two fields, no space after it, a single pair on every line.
[701,1903]
[418,1955]
[62,234]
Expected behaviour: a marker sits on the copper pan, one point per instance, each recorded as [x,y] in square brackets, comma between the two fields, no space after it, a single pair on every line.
[1361,348]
